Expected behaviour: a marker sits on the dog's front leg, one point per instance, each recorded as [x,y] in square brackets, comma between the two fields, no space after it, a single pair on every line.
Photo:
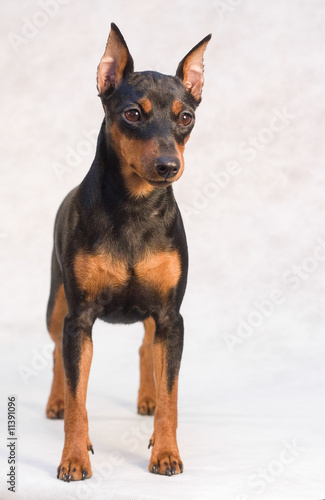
[77,356]
[167,353]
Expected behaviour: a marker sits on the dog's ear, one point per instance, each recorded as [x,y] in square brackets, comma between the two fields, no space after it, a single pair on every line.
[115,64]
[190,69]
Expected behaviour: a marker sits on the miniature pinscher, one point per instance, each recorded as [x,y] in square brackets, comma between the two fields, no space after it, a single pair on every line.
[120,251]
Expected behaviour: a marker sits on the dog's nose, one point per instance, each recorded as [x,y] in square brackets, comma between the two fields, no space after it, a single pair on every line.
[167,166]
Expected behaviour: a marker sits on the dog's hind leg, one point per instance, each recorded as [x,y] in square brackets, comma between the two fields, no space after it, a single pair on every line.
[56,311]
[147,389]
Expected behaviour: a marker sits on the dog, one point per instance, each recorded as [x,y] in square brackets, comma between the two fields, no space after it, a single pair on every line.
[120,251]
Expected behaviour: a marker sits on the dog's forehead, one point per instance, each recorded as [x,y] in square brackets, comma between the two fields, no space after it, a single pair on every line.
[162,90]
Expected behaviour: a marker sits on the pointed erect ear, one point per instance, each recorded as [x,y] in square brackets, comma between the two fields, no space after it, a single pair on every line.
[190,69]
[116,62]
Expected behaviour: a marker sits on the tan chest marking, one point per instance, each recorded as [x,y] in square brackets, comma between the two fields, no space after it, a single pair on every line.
[94,272]
[161,270]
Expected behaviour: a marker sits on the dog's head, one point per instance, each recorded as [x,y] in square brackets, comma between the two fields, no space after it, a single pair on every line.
[149,116]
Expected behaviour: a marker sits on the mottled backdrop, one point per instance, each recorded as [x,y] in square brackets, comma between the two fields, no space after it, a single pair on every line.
[251,405]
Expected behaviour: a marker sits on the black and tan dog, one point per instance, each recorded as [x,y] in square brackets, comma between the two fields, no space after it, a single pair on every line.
[120,250]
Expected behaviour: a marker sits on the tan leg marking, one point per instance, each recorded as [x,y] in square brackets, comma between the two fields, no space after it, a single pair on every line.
[75,463]
[147,389]
[165,457]
[55,405]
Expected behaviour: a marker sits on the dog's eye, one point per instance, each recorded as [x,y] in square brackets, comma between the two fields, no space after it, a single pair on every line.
[132,115]
[185,119]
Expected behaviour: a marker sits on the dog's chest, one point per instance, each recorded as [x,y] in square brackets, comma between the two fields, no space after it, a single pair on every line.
[101,272]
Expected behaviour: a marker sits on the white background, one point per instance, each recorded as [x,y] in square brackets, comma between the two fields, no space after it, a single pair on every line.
[251,402]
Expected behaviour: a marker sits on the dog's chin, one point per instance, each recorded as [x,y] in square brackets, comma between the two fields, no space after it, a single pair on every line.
[160,184]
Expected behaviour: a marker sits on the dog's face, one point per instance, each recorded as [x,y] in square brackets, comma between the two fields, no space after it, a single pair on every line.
[149,116]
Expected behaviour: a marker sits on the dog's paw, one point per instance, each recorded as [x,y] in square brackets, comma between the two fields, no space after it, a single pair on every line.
[166,464]
[55,409]
[146,406]
[74,469]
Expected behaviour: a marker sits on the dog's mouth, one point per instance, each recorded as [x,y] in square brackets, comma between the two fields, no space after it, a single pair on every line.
[159,183]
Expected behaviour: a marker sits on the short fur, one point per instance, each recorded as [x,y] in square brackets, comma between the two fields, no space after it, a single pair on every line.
[120,250]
